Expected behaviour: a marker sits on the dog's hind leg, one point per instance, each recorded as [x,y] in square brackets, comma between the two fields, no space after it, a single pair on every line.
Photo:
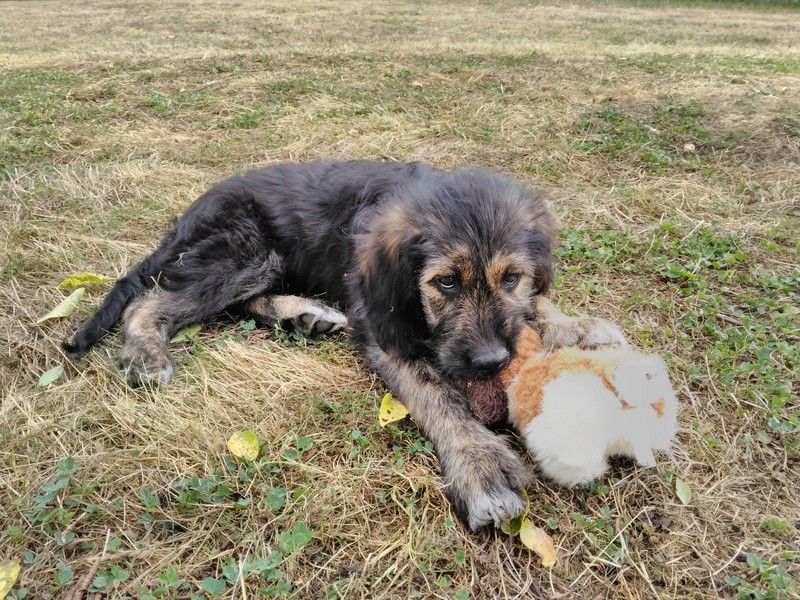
[144,358]
[150,321]
[306,315]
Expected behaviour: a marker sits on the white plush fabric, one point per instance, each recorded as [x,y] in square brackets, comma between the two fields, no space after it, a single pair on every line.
[582,422]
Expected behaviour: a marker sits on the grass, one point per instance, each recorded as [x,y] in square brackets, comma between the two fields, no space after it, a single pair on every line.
[666,135]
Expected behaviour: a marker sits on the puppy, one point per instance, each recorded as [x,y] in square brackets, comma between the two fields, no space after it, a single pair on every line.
[437,272]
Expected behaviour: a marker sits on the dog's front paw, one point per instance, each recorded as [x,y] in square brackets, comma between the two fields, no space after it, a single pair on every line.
[484,482]
[586,333]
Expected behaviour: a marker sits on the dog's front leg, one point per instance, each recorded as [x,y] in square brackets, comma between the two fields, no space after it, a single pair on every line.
[558,330]
[483,475]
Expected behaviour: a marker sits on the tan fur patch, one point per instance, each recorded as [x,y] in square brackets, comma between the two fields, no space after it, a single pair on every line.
[258,306]
[144,357]
[462,266]
[144,317]
[456,262]
[392,229]
[502,264]
[433,303]
[395,229]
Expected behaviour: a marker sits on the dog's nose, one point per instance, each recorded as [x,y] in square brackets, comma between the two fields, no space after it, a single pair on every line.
[489,359]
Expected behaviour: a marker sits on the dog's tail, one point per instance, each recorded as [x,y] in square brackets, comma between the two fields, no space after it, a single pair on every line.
[142,277]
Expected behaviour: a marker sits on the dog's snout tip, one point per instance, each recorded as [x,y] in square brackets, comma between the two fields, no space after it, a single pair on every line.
[491,359]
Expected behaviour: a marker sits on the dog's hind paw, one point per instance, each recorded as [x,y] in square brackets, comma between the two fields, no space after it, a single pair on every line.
[321,320]
[297,313]
[145,366]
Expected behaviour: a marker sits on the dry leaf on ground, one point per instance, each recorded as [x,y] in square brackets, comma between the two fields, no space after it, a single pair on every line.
[391,411]
[537,540]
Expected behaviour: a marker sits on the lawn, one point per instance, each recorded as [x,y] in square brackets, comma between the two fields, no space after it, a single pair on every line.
[665,134]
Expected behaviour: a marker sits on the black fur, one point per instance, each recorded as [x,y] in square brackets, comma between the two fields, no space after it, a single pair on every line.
[303,212]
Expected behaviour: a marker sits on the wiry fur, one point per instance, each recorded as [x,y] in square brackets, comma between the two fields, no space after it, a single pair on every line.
[379,239]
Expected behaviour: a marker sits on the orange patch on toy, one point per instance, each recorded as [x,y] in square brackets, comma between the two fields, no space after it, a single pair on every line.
[528,344]
[659,407]
[530,372]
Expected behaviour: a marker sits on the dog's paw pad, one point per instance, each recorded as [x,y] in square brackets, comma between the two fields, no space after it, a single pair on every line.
[318,323]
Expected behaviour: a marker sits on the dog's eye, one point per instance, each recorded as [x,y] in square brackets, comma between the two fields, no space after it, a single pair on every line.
[510,280]
[446,283]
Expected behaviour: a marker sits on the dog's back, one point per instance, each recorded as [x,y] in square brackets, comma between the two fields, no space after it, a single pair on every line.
[302,214]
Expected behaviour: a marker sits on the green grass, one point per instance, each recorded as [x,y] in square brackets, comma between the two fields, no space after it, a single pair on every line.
[725,304]
[655,141]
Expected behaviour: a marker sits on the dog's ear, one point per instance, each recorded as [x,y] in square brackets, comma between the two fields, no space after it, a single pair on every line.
[538,228]
[539,245]
[389,257]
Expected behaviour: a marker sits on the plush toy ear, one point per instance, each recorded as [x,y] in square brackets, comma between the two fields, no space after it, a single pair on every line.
[389,258]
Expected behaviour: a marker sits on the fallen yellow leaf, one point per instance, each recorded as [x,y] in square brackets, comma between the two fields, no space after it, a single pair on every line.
[244,445]
[537,540]
[9,571]
[391,411]
[82,279]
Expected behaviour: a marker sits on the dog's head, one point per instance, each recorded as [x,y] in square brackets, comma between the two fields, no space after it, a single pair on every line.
[449,267]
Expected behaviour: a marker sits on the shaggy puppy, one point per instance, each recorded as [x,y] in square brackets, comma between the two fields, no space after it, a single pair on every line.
[438,272]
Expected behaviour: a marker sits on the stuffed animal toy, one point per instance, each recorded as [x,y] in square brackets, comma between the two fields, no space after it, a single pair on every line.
[575,408]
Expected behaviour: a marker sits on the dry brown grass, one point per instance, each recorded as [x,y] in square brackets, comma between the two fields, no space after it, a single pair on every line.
[114,116]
